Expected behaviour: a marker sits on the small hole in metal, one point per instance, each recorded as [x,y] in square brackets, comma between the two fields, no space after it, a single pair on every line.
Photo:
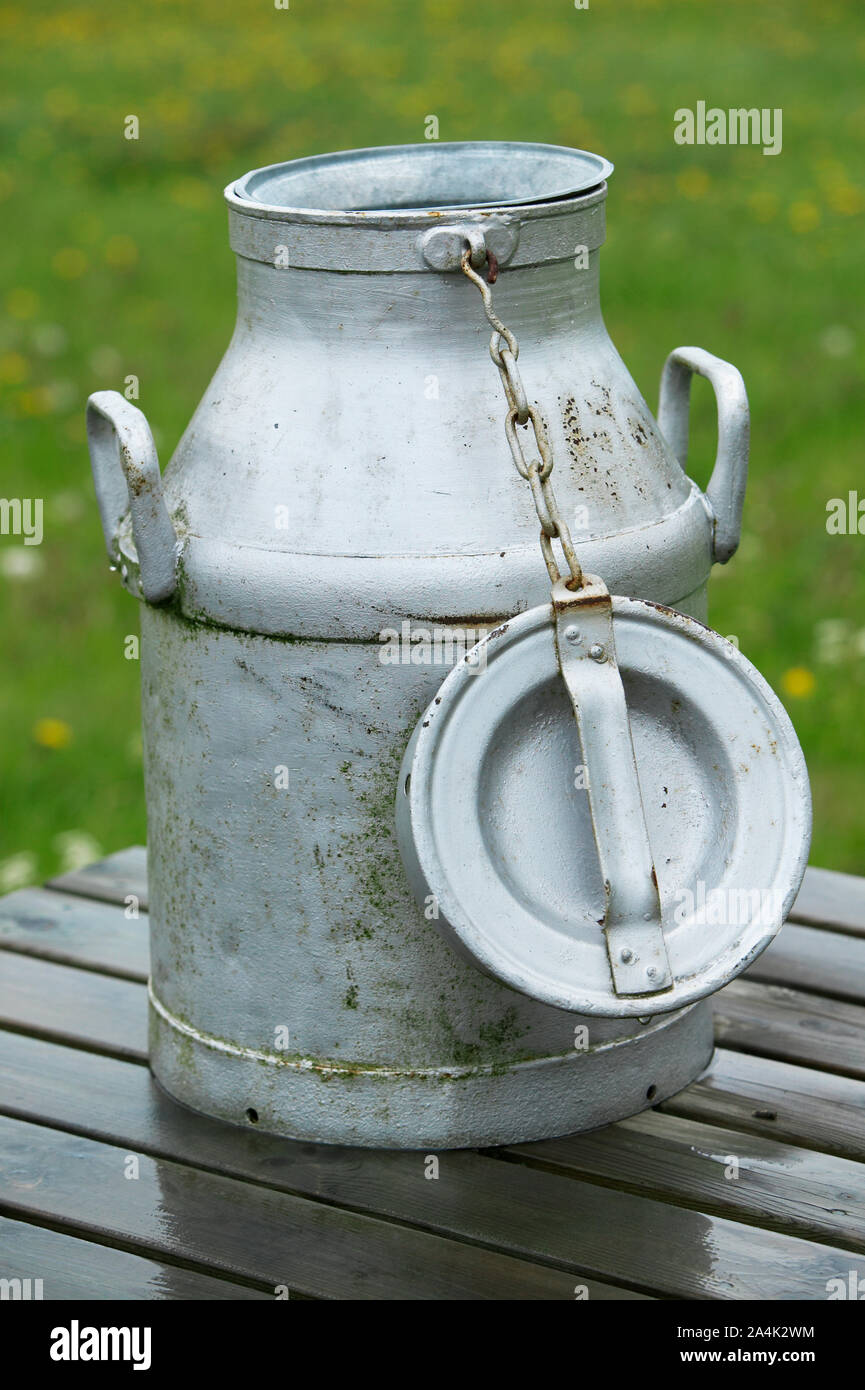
[407,784]
[252,1116]
[651,1093]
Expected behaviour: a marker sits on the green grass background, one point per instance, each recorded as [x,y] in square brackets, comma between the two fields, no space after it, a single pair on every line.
[115,261]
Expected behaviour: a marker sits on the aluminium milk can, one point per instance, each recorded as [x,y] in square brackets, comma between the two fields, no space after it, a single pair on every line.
[338,518]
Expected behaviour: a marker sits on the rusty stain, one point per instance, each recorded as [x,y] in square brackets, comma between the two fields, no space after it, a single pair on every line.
[470,620]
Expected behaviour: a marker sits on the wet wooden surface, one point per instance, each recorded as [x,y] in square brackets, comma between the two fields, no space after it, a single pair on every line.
[749,1184]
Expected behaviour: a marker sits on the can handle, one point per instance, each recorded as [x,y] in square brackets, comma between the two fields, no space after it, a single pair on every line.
[126,476]
[726,490]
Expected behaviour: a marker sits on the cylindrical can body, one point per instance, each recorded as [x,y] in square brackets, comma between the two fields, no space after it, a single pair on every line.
[295,983]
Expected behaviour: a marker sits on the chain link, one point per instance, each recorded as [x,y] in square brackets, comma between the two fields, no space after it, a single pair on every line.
[504,350]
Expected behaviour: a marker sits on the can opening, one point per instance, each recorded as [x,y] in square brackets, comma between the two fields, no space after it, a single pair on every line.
[425,178]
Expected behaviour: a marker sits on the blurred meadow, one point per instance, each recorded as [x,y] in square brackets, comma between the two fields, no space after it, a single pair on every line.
[115,262]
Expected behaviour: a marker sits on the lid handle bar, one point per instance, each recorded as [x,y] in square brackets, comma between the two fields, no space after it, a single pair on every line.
[587,660]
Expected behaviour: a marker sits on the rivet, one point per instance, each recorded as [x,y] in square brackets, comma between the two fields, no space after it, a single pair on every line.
[124,572]
[651,971]
[627,955]
[573,634]
[597,652]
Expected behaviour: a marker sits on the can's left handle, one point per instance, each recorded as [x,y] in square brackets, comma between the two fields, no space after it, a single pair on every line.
[126,475]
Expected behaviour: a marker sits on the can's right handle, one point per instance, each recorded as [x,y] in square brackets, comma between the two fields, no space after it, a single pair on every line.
[726,490]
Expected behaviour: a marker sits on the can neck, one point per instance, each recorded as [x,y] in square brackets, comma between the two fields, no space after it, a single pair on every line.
[432,310]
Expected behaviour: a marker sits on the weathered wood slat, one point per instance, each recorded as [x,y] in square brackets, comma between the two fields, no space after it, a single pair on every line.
[75,931]
[109,880]
[794,1104]
[830,899]
[710,1169]
[816,960]
[254,1232]
[792,1026]
[597,1233]
[96,1012]
[70,1268]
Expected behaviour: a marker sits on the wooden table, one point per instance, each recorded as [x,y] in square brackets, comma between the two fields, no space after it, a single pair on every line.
[749,1184]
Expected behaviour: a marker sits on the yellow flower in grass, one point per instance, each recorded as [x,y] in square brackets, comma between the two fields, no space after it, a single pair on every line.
[637,100]
[35,402]
[693,183]
[846,199]
[192,193]
[61,102]
[52,733]
[764,204]
[69,263]
[798,682]
[22,304]
[804,217]
[14,368]
[121,252]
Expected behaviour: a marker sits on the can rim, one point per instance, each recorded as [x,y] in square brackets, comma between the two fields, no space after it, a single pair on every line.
[383,182]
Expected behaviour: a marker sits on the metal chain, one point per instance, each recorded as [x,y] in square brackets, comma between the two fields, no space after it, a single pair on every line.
[504,350]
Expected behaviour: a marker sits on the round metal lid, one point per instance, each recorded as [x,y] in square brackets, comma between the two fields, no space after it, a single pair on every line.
[494,822]
[416,178]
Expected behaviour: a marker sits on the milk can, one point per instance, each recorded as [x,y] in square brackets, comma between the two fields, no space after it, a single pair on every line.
[338,527]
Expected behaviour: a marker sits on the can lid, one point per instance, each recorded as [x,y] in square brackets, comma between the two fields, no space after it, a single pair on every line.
[409,179]
[495,829]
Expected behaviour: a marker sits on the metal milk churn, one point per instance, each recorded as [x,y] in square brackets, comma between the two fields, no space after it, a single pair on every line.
[338,522]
